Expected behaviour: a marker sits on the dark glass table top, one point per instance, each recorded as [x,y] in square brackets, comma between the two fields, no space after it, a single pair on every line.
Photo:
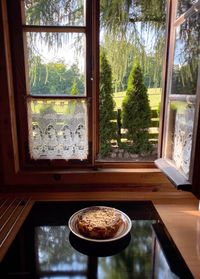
[45,247]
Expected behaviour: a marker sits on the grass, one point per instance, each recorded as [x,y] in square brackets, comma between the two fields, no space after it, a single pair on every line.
[154,95]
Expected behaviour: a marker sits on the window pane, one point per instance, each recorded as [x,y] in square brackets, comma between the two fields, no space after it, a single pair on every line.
[186,57]
[56,63]
[54,12]
[58,129]
[131,32]
[184,5]
[180,132]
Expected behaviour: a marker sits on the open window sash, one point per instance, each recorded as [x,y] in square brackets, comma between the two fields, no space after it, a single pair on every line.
[181,98]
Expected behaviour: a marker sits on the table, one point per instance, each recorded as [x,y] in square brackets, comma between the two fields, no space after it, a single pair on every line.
[45,247]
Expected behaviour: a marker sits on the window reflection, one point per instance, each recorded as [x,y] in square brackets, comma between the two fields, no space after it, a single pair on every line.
[161,268]
[142,258]
[57,12]
[135,260]
[186,57]
[184,5]
[55,254]
[182,95]
[43,248]
[180,133]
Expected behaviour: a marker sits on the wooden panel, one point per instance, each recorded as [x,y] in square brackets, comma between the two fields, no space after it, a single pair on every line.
[170,198]
[13,212]
[183,223]
[88,177]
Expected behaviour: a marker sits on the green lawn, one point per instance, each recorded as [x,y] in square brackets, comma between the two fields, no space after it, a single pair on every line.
[154,95]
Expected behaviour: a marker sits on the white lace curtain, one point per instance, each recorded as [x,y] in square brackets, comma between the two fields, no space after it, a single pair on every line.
[183,132]
[58,129]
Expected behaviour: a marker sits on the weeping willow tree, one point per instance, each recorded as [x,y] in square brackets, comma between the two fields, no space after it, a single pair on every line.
[119,15]
[120,55]
[54,12]
[122,20]
[186,55]
[40,44]
[134,29]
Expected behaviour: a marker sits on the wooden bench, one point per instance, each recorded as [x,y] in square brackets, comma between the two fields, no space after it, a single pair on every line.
[13,212]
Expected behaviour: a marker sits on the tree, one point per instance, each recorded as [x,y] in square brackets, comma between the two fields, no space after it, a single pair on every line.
[106,107]
[54,78]
[74,89]
[120,14]
[136,113]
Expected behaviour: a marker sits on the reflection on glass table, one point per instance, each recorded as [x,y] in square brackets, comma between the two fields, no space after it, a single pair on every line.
[44,247]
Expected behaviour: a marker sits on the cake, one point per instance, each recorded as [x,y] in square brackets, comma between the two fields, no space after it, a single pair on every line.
[99,222]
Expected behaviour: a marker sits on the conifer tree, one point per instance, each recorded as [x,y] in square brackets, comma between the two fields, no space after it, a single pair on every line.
[136,113]
[106,107]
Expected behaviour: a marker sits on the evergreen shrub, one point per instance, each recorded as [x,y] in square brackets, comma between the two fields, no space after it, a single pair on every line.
[136,113]
[106,107]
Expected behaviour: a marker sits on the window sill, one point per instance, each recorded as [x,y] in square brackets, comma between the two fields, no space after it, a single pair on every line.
[99,177]
[177,179]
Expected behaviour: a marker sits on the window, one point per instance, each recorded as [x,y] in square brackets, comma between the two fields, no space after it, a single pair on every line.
[56,69]
[182,100]
[59,57]
[51,118]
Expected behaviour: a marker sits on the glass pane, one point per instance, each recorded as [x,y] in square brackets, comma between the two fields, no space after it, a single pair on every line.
[186,57]
[182,95]
[180,132]
[54,12]
[183,6]
[58,129]
[56,63]
[131,32]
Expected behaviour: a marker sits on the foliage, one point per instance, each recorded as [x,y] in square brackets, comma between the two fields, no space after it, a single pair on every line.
[74,89]
[134,29]
[106,107]
[186,58]
[120,14]
[48,12]
[52,13]
[54,248]
[120,54]
[136,113]
[54,78]
[126,20]
[184,79]
[135,261]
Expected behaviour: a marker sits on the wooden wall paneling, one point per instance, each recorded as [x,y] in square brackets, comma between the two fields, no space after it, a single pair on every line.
[8,136]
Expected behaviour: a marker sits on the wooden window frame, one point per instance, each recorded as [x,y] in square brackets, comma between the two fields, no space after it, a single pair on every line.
[19,61]
[98,173]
